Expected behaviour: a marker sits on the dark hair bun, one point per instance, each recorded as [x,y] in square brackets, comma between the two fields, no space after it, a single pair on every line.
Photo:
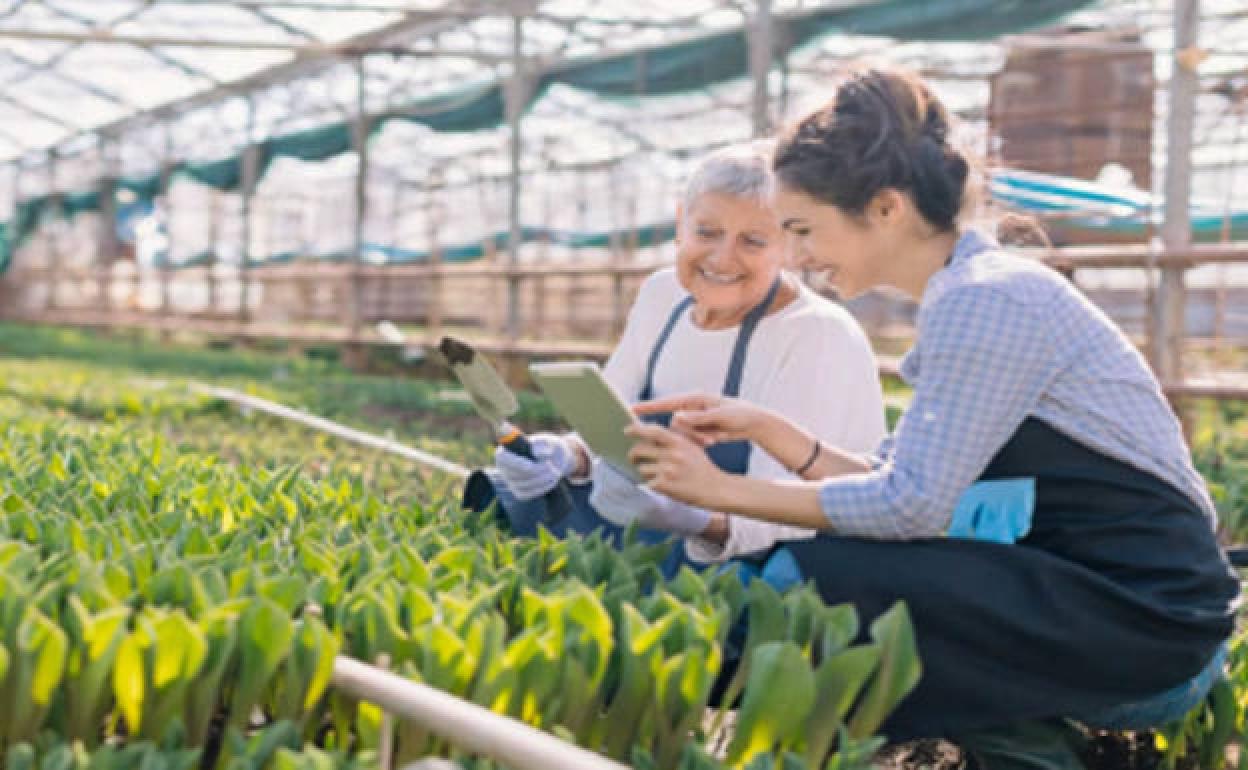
[884,130]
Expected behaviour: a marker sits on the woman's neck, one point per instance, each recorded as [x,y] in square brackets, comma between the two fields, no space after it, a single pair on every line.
[925,257]
[711,319]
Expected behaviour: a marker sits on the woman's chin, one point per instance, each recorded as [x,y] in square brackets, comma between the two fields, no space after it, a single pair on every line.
[723,306]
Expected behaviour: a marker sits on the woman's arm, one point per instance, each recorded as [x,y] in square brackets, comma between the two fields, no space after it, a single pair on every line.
[677,467]
[708,420]
[797,449]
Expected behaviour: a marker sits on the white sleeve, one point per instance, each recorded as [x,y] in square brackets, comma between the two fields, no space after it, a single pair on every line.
[829,384]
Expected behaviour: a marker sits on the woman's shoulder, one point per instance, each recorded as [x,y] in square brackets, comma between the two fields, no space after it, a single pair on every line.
[1001,274]
[660,289]
[817,326]
[811,309]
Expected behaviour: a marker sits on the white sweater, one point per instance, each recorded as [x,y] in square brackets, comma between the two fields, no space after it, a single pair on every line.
[810,361]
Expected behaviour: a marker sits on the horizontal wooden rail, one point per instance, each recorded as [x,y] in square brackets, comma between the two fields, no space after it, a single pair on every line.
[466,725]
[1089,257]
[598,351]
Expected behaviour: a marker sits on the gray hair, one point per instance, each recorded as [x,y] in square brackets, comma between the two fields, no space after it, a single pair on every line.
[742,170]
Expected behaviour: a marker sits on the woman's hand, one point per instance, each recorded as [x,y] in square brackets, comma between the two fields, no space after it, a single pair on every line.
[708,419]
[673,465]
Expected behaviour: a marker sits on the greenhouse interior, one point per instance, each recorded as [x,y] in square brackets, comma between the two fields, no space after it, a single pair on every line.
[242,243]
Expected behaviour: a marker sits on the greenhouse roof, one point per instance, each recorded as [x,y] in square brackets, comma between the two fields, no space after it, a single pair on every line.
[126,88]
[77,73]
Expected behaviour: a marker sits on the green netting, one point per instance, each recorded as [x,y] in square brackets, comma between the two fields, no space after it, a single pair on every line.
[946,20]
[315,144]
[145,188]
[225,175]
[6,253]
[29,212]
[474,108]
[78,203]
[666,69]
[641,237]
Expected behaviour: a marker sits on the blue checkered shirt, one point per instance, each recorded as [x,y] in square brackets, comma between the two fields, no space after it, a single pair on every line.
[1002,338]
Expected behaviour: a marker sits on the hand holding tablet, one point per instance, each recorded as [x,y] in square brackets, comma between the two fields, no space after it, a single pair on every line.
[592,407]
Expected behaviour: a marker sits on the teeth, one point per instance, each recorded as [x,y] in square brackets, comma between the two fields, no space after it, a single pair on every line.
[718,278]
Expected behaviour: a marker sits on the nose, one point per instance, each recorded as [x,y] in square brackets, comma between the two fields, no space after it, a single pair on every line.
[720,253]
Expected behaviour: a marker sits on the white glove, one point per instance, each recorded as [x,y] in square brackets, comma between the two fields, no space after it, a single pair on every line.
[530,479]
[622,502]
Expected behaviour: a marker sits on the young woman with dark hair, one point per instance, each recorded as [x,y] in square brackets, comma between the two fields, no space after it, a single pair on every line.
[1034,423]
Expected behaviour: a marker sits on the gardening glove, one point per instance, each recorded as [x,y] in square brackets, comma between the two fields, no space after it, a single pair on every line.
[527,479]
[619,500]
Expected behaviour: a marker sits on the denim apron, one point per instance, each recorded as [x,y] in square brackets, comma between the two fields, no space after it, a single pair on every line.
[486,487]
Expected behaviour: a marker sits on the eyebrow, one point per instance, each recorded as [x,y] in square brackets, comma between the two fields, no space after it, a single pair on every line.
[788,223]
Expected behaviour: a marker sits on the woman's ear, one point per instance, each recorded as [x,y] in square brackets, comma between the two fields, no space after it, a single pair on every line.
[887,207]
[680,221]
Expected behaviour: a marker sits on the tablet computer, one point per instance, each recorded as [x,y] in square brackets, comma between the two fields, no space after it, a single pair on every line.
[592,407]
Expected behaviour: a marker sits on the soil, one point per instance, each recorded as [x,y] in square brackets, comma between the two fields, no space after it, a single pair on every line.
[1106,751]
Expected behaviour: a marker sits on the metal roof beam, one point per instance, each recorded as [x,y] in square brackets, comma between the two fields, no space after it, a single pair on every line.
[82,85]
[182,67]
[305,64]
[312,48]
[270,19]
[296,5]
[55,120]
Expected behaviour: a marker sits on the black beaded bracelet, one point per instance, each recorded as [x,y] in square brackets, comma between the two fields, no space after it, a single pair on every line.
[814,455]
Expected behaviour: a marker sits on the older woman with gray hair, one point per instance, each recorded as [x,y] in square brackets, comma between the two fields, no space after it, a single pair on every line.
[724,319]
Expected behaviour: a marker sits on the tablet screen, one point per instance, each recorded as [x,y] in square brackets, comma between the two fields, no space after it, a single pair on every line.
[592,407]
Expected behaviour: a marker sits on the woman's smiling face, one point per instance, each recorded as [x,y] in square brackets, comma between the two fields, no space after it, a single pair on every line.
[729,252]
[840,249]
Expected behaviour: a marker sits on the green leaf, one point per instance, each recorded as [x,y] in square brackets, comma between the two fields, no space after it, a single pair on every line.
[897,675]
[838,681]
[265,635]
[51,648]
[778,700]
[128,680]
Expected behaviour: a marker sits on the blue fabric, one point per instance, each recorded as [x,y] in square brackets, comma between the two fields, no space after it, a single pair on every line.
[1164,707]
[995,511]
[780,570]
[525,516]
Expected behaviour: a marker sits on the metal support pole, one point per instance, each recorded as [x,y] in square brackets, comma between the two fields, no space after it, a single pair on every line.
[249,177]
[107,243]
[762,47]
[436,301]
[517,96]
[11,245]
[1176,224]
[214,237]
[54,246]
[167,167]
[362,126]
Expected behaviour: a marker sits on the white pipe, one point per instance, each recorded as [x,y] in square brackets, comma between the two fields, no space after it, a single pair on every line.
[466,725]
[331,427]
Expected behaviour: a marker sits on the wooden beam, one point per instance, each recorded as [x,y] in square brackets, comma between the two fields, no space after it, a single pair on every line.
[516,97]
[762,50]
[363,127]
[1170,313]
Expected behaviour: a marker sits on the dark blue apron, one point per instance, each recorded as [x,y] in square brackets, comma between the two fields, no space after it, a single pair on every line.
[486,487]
[1117,593]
